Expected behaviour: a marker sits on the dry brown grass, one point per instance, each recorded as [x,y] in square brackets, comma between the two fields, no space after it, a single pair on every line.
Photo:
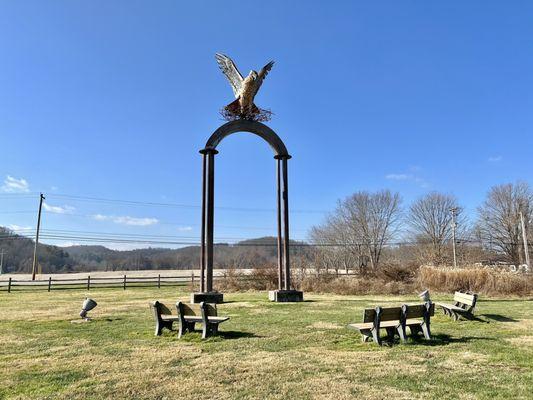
[478,280]
[354,285]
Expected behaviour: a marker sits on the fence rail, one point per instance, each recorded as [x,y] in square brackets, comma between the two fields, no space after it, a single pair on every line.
[89,282]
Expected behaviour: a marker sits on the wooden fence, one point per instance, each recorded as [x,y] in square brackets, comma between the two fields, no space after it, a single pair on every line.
[89,283]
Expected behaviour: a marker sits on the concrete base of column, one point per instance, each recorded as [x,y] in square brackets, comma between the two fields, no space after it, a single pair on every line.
[208,297]
[286,296]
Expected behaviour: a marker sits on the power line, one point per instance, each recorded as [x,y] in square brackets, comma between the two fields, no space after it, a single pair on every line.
[177,205]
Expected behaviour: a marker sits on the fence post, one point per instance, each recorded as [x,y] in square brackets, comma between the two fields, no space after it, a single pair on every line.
[9,285]
[192,280]
[124,281]
[49,283]
[159,281]
[88,282]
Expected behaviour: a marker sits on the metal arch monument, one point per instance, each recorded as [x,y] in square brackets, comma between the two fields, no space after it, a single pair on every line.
[244,116]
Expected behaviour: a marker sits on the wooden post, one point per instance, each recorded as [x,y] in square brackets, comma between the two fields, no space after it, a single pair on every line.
[88,282]
[192,280]
[35,259]
[124,281]
[49,283]
[159,281]
[9,285]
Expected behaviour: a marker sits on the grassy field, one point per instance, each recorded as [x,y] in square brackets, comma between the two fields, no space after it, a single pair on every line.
[266,350]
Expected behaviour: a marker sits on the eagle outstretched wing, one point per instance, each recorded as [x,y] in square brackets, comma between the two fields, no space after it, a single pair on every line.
[262,75]
[229,69]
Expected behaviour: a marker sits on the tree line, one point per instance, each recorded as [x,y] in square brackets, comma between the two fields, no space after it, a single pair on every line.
[366,228]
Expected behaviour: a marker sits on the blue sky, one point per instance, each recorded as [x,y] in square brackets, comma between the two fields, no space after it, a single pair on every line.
[113,99]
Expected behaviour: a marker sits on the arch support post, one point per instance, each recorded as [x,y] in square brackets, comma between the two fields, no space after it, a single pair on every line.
[284,292]
[207,294]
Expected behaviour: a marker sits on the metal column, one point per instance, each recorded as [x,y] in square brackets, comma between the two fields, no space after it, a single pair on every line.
[202,249]
[286,224]
[279,209]
[210,218]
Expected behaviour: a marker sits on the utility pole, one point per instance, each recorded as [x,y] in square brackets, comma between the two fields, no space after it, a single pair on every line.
[35,261]
[2,261]
[524,238]
[454,225]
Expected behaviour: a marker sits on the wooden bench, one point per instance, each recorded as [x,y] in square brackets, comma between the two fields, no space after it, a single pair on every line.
[463,305]
[163,317]
[204,313]
[395,320]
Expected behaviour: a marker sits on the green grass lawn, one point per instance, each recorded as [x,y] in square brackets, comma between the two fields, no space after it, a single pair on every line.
[266,350]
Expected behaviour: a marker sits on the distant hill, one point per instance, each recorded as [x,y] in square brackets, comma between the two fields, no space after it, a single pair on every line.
[252,253]
[19,254]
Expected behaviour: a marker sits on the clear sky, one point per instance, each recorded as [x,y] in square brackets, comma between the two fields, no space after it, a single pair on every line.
[113,99]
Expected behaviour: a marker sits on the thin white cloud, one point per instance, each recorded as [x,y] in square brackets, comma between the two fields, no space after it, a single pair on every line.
[399,177]
[408,177]
[495,159]
[14,185]
[14,227]
[58,209]
[185,228]
[68,244]
[126,220]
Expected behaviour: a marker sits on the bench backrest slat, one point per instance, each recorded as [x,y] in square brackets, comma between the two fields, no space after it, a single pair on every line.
[189,309]
[164,310]
[418,311]
[464,298]
[387,314]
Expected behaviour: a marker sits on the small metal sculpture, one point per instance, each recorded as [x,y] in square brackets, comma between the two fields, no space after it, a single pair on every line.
[245,90]
[87,306]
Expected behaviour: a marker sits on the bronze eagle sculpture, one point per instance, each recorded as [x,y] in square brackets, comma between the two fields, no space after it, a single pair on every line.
[244,89]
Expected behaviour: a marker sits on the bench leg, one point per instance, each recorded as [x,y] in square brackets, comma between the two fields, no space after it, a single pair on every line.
[160,325]
[375,336]
[425,329]
[158,329]
[205,331]
[214,329]
[402,333]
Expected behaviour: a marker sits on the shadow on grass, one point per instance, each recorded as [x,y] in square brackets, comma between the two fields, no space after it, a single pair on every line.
[236,335]
[499,318]
[443,339]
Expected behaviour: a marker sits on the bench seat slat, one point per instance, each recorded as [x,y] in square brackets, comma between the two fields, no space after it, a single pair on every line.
[369,325]
[409,322]
[196,318]
[452,307]
[361,326]
[170,318]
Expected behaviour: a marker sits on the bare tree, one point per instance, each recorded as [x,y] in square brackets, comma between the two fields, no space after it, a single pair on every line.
[499,219]
[431,224]
[362,223]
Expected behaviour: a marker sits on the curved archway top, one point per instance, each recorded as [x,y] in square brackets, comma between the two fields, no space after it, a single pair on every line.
[257,128]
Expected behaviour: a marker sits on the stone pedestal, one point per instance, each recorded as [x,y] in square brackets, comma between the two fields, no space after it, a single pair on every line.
[208,297]
[286,296]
